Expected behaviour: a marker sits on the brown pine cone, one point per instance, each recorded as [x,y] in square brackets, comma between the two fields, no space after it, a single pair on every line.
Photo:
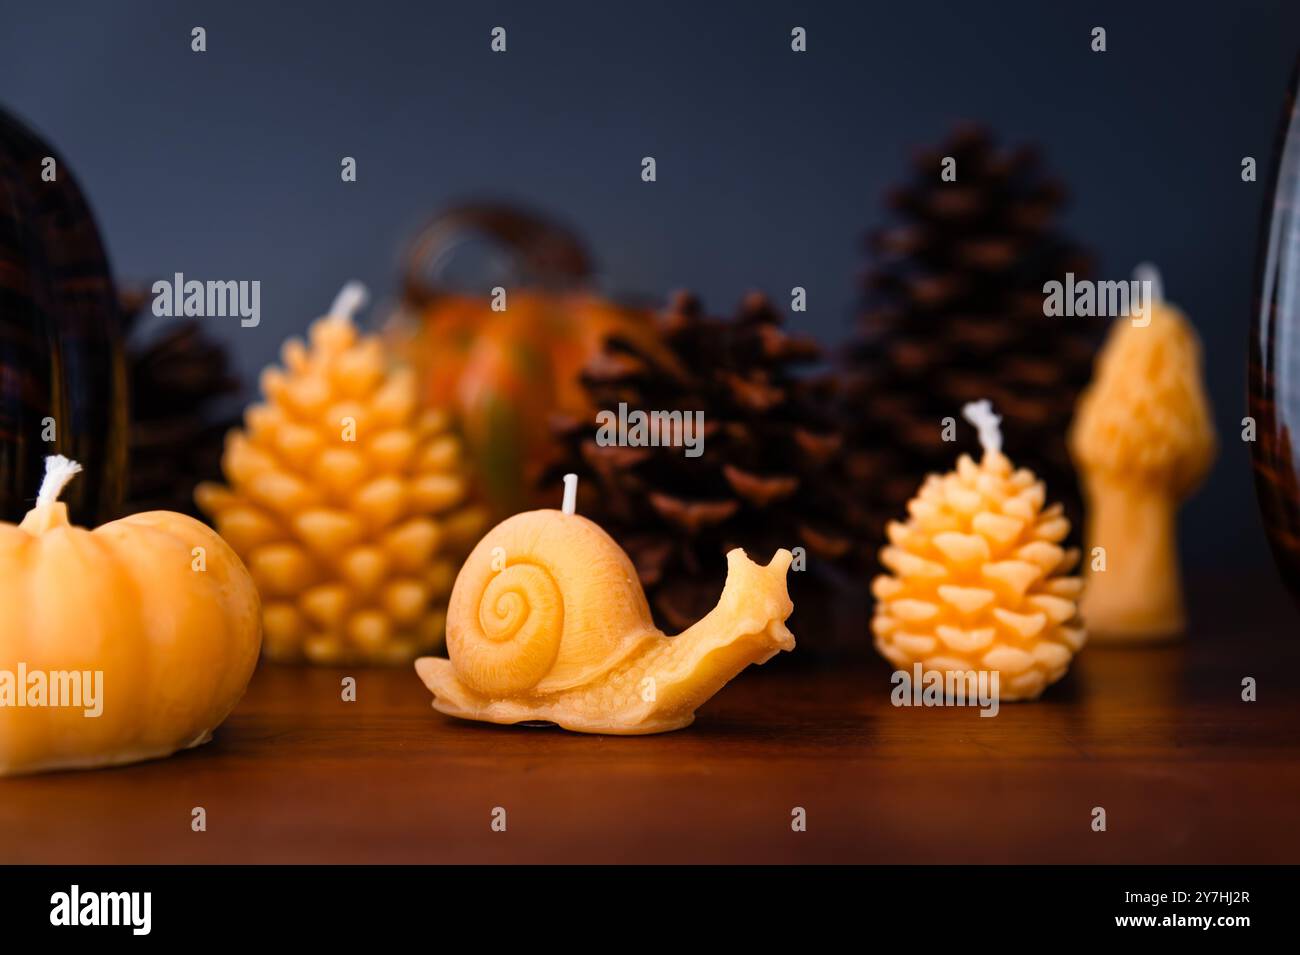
[953,312]
[182,390]
[770,474]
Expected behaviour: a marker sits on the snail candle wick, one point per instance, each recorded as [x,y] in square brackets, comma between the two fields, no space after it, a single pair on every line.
[570,504]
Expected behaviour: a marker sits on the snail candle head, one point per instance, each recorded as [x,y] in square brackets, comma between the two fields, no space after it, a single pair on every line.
[548,621]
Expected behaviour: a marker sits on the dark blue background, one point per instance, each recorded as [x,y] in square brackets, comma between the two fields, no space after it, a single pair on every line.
[771,164]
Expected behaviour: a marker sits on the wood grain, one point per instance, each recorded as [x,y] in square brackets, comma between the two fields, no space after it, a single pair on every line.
[1186,771]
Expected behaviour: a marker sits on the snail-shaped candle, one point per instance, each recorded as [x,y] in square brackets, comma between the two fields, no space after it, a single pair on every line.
[980,581]
[548,622]
[1143,441]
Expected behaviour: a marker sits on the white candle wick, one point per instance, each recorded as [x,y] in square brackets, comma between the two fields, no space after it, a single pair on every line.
[980,414]
[1146,272]
[570,504]
[350,300]
[58,472]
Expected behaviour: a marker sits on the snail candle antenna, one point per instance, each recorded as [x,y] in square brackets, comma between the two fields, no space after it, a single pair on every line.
[570,504]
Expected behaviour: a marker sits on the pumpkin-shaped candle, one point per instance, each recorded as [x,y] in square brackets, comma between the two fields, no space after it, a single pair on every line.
[127,642]
[346,500]
[979,580]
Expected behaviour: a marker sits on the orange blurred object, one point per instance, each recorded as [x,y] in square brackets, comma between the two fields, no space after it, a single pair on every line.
[505,363]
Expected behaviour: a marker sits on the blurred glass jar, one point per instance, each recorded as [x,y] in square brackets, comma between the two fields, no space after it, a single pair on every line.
[1274,372]
[62,377]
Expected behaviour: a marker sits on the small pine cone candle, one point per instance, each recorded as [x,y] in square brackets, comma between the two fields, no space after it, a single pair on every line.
[979,577]
[346,501]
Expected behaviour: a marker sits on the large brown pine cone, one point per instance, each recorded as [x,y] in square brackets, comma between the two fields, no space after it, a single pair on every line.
[953,312]
[770,475]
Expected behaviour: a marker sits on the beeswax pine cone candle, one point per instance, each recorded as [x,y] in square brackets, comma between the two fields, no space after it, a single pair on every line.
[978,577]
[346,500]
[1143,439]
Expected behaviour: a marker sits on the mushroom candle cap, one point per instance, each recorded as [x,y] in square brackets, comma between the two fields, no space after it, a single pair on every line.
[1146,415]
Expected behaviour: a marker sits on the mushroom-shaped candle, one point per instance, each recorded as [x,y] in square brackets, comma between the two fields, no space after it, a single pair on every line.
[548,622]
[980,581]
[1143,441]
[127,642]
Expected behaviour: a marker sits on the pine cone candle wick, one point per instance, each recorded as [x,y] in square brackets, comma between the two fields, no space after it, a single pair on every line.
[978,579]
[346,501]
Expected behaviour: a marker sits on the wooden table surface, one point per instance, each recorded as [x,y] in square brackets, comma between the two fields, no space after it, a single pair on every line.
[1160,738]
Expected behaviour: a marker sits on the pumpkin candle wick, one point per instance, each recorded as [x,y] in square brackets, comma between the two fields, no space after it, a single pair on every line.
[570,504]
[350,300]
[49,512]
[980,414]
[58,472]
